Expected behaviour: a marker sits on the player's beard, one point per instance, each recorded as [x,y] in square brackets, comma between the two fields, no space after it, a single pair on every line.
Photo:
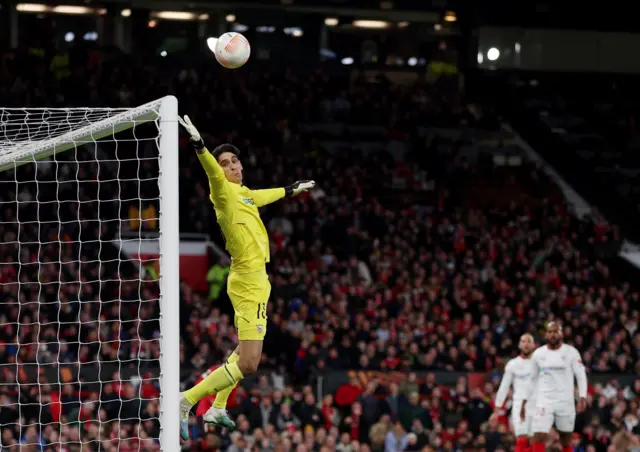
[555,343]
[526,355]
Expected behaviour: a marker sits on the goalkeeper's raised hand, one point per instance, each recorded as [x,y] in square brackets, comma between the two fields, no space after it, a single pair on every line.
[299,187]
[196,140]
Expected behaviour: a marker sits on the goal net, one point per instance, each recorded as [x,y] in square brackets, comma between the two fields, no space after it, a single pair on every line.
[89,337]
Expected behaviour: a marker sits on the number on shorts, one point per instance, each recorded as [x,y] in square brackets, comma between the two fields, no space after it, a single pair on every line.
[262,311]
[540,411]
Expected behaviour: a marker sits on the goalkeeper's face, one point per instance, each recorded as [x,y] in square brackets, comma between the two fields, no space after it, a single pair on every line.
[232,167]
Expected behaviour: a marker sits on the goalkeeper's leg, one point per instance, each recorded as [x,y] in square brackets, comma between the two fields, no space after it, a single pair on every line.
[217,414]
[221,380]
[251,323]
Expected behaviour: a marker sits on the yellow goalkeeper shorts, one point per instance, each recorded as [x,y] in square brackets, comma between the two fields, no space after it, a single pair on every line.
[249,294]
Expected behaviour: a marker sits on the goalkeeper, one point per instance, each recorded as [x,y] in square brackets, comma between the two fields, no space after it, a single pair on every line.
[236,208]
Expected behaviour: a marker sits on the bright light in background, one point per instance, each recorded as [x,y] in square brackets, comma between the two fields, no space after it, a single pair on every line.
[69,37]
[125,12]
[71,9]
[480,57]
[412,61]
[437,27]
[266,29]
[203,17]
[296,32]
[403,24]
[230,18]
[331,21]
[60,9]
[493,54]
[91,36]
[370,24]
[240,28]
[163,53]
[173,15]
[31,7]
[450,16]
[152,23]
[517,47]
[211,43]
[347,61]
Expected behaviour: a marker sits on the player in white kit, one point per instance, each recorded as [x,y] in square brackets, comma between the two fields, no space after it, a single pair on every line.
[518,373]
[555,366]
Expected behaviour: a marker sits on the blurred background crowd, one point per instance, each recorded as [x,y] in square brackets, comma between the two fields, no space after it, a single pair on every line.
[400,286]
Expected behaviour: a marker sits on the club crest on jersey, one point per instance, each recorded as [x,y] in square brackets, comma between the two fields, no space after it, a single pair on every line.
[260,328]
[248,201]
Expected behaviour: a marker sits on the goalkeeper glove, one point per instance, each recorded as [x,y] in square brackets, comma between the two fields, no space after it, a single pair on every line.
[195,140]
[298,187]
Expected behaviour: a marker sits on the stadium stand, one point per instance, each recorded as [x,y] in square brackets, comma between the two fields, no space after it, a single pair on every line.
[423,256]
[587,128]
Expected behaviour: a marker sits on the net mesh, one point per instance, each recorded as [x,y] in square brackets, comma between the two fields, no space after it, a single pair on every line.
[21,128]
[79,343]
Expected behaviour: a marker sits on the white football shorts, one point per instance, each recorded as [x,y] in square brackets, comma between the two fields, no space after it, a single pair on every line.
[548,413]
[520,427]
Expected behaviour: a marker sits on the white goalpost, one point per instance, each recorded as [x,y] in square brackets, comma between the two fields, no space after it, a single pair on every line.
[89,336]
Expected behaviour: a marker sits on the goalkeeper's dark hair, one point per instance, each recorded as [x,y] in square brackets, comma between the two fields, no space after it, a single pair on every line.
[218,151]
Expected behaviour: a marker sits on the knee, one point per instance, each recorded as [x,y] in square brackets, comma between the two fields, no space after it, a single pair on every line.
[539,437]
[248,365]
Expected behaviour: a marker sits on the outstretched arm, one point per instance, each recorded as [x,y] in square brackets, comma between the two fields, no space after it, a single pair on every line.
[269,195]
[214,171]
[215,174]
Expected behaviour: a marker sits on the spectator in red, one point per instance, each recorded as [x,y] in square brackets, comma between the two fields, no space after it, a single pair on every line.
[329,412]
[348,393]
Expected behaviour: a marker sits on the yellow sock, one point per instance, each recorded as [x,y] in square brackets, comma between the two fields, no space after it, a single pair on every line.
[223,396]
[223,377]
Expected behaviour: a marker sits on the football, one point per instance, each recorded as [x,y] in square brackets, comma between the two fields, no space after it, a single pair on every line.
[232,50]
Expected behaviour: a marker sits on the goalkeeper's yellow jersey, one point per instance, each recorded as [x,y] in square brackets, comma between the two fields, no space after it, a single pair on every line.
[236,209]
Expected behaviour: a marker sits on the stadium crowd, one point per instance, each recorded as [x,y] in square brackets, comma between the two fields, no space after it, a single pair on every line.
[363,277]
[600,136]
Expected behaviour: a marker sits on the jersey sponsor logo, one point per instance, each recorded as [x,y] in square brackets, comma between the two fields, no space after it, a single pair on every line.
[248,201]
[553,368]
